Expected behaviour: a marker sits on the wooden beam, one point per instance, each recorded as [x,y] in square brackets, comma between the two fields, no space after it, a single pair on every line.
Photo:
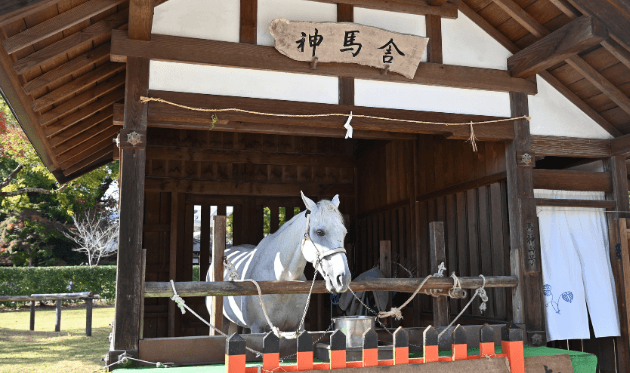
[131,211]
[12,10]
[172,263]
[620,145]
[140,19]
[231,288]
[613,13]
[345,13]
[434,33]
[566,8]
[599,81]
[461,187]
[436,2]
[554,48]
[101,73]
[419,7]
[248,156]
[258,57]
[246,188]
[576,203]
[437,255]
[160,112]
[572,180]
[268,128]
[509,45]
[80,39]
[570,147]
[525,254]
[57,24]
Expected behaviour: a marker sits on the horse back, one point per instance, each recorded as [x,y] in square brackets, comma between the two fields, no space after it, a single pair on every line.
[238,256]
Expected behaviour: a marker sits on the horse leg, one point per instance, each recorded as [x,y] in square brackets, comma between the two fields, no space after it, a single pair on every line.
[226,325]
[232,327]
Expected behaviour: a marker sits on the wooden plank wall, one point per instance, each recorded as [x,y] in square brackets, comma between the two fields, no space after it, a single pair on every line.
[475,221]
[179,156]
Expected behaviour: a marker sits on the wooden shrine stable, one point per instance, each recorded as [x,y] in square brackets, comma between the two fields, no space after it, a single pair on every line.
[73,72]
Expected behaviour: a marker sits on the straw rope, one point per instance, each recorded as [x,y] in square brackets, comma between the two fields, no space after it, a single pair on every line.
[145,100]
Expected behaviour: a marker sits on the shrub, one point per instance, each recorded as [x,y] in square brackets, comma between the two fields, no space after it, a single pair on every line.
[47,280]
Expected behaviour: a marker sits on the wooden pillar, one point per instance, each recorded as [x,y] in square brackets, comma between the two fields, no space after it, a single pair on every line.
[142,280]
[437,255]
[172,268]
[618,239]
[133,159]
[434,33]
[218,251]
[345,13]
[527,298]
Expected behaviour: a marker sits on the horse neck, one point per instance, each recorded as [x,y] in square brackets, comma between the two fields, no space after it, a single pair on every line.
[285,246]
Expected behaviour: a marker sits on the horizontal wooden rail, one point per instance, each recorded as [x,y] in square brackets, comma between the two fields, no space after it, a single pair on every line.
[230,288]
[461,187]
[576,203]
[40,297]
[572,180]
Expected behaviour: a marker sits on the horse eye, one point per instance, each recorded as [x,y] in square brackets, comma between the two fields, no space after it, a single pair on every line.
[320,232]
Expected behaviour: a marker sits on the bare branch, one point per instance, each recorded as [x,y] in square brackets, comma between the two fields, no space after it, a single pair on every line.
[11,176]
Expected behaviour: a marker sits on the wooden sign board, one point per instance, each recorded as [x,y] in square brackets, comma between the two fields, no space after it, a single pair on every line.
[349,43]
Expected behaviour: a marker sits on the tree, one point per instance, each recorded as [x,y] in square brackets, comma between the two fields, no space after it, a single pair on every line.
[35,207]
[96,234]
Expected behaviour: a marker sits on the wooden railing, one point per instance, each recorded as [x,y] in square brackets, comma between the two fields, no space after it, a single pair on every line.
[86,296]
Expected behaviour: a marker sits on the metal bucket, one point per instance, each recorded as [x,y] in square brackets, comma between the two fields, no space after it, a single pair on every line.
[354,327]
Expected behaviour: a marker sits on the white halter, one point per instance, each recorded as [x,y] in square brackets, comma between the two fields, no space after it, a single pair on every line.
[307,237]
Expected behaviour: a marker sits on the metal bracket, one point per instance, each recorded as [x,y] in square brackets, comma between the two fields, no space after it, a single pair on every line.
[526,159]
[132,139]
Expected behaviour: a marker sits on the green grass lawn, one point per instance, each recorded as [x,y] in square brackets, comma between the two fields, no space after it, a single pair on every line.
[45,350]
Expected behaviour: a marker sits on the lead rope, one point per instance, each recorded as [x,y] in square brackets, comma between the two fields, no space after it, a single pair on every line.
[484,298]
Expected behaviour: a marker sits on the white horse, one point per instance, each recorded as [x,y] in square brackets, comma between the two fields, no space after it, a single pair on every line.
[282,256]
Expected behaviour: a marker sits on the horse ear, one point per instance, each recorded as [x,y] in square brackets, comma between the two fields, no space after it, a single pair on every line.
[335,201]
[308,202]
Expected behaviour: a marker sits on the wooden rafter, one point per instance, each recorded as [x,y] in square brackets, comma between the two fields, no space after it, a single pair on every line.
[94,56]
[101,73]
[12,10]
[94,161]
[613,13]
[89,133]
[82,127]
[140,19]
[509,45]
[82,38]
[57,24]
[218,53]
[618,51]
[86,98]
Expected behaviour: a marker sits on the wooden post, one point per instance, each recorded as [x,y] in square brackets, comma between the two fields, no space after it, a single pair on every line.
[271,352]
[88,317]
[386,268]
[401,347]
[129,272]
[58,316]
[370,348]
[204,244]
[172,271]
[337,356]
[235,354]
[460,344]
[32,315]
[218,251]
[512,346]
[430,348]
[142,279]
[437,255]
[617,167]
[527,298]
[305,351]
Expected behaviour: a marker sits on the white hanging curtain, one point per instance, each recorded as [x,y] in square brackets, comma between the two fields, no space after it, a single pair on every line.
[576,268]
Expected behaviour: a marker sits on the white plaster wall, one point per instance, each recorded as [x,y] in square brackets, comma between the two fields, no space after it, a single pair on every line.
[392,21]
[429,98]
[293,10]
[202,19]
[554,115]
[214,80]
[466,44]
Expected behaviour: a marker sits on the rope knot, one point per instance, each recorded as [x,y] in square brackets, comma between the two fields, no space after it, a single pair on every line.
[177,299]
[396,312]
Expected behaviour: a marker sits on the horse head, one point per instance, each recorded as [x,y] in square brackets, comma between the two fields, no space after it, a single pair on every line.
[323,243]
